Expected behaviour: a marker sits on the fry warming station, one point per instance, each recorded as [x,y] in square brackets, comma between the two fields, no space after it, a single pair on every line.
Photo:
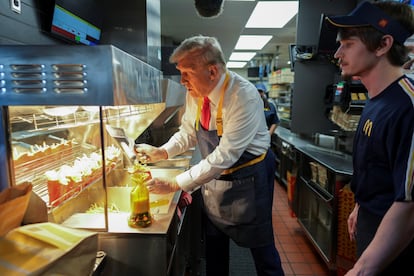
[58,104]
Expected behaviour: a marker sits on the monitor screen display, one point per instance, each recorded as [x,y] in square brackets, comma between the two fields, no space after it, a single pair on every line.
[77,21]
[253,72]
[292,56]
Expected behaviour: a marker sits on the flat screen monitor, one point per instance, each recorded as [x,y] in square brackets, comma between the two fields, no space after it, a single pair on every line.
[78,22]
[292,56]
[258,71]
[253,72]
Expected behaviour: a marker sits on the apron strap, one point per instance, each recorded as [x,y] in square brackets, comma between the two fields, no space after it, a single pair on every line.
[251,162]
[219,115]
[200,102]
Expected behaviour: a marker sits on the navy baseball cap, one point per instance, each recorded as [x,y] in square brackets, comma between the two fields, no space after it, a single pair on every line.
[261,86]
[367,14]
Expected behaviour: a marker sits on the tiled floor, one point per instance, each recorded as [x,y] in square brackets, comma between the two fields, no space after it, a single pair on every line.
[299,257]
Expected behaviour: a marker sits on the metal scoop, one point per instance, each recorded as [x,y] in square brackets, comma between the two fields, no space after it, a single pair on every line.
[119,135]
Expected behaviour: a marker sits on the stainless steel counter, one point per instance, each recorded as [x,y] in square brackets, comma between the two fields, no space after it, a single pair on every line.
[143,251]
[315,192]
[336,161]
[118,221]
[290,137]
[134,251]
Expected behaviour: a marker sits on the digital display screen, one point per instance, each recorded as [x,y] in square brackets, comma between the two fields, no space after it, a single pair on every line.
[292,56]
[80,25]
[339,88]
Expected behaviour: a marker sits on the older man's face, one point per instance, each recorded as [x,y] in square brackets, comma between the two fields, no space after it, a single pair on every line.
[196,76]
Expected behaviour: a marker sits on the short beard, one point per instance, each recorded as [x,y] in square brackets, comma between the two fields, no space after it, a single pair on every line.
[346,77]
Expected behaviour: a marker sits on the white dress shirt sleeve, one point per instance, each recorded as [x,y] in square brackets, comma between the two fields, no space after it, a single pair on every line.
[244,128]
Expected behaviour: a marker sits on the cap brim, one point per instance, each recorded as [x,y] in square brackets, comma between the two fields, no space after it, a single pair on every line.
[367,14]
[346,21]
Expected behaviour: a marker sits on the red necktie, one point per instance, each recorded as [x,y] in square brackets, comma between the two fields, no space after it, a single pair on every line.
[205,113]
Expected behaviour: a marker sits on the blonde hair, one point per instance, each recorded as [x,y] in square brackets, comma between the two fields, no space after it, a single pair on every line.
[206,49]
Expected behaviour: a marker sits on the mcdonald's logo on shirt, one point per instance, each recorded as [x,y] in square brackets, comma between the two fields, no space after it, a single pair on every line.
[367,128]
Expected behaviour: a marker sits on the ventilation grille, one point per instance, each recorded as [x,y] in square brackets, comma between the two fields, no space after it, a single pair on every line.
[37,78]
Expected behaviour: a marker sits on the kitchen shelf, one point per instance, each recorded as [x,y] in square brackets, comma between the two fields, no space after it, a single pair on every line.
[281,93]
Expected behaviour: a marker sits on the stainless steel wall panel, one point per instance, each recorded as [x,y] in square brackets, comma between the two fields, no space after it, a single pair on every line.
[75,75]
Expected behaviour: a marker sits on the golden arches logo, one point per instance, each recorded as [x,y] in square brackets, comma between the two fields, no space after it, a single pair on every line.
[367,128]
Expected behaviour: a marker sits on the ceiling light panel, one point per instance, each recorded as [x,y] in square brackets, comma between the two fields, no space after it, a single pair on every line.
[272,14]
[236,64]
[242,56]
[252,42]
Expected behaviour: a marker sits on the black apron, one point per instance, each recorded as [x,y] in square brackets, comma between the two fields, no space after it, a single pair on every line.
[240,203]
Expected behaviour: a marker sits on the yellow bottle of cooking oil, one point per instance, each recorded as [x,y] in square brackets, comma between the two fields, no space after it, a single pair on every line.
[139,200]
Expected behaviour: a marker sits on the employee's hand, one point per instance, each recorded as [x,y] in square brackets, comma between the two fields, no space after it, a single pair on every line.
[352,221]
[162,186]
[150,154]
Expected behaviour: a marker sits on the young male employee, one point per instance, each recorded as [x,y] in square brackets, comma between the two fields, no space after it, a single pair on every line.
[372,48]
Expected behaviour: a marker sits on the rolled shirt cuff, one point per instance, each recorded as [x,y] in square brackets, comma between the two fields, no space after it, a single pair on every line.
[186,182]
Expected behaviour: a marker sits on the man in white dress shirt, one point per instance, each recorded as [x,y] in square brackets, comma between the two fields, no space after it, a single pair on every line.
[236,173]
